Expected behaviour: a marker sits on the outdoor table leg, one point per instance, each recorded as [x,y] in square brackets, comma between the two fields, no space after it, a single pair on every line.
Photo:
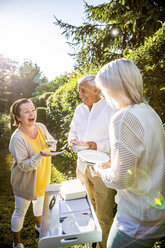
[88,245]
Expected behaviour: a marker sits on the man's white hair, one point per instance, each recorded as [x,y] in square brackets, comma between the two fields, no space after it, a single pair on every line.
[89,79]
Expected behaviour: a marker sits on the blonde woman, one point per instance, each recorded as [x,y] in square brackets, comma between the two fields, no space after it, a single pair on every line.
[31,168]
[137,167]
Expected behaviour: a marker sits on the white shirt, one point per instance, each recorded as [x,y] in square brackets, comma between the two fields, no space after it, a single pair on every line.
[92,125]
[137,165]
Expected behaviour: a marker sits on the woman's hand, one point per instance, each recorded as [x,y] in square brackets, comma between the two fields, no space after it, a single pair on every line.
[49,154]
[97,168]
[105,165]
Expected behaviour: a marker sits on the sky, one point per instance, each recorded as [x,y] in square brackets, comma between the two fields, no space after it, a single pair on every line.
[27,32]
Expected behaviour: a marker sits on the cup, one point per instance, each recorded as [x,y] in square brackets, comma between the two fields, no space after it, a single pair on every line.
[52,145]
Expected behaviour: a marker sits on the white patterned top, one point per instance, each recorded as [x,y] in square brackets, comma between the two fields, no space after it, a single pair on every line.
[137,164]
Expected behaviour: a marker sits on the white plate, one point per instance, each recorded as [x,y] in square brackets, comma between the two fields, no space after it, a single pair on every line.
[93,156]
[78,224]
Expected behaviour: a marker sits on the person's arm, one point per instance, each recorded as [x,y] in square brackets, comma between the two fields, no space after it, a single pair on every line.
[20,153]
[127,147]
[122,172]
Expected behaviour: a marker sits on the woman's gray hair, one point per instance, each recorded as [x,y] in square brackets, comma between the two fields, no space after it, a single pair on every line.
[89,79]
[121,77]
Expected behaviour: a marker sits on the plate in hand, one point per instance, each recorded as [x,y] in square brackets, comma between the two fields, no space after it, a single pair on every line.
[93,156]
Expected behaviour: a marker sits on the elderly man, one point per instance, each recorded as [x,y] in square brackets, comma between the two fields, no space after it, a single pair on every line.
[91,124]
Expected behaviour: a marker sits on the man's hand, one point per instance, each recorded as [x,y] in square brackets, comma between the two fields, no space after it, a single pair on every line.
[70,144]
[92,145]
[49,154]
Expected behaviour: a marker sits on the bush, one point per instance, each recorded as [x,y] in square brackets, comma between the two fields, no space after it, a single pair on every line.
[41,115]
[40,101]
[60,109]
[5,131]
[150,59]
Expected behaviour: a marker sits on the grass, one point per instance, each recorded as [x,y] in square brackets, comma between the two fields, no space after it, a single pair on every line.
[28,235]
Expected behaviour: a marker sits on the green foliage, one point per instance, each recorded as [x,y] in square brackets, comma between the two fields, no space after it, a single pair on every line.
[40,100]
[41,115]
[60,110]
[7,68]
[5,130]
[150,59]
[29,77]
[66,164]
[50,86]
[56,175]
[61,106]
[17,82]
[94,42]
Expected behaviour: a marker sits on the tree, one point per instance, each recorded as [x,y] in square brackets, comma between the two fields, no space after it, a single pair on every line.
[7,68]
[95,42]
[149,57]
[30,77]
[24,82]
[52,86]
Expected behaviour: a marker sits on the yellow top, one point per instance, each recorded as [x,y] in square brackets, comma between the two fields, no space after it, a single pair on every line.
[44,169]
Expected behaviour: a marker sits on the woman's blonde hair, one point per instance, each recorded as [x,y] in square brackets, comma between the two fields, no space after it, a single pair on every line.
[121,77]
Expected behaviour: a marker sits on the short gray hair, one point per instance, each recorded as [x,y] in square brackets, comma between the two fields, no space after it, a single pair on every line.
[121,76]
[89,79]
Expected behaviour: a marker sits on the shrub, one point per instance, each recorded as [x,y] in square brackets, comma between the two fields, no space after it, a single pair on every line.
[150,59]
[41,115]
[40,101]
[5,131]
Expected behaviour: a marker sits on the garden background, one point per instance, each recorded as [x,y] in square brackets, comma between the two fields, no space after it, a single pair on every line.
[133,29]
